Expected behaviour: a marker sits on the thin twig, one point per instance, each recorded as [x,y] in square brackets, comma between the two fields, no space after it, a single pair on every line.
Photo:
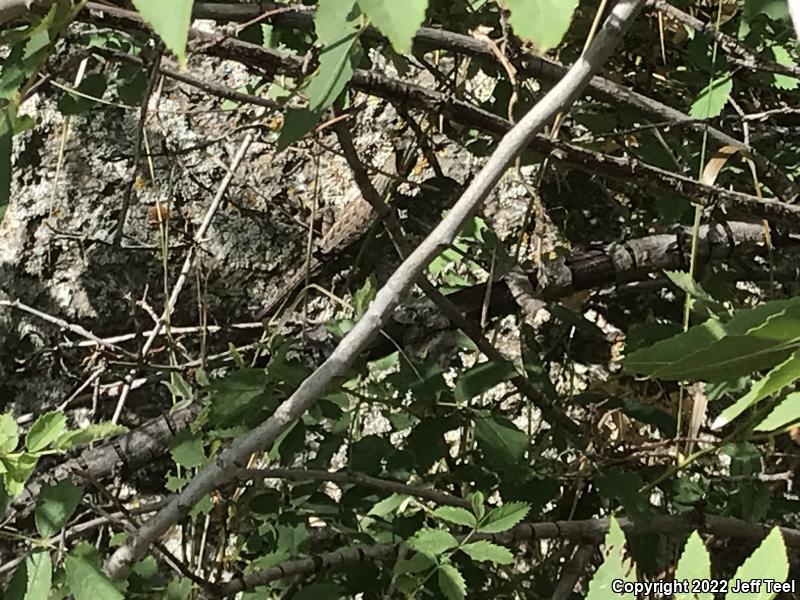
[137,148]
[187,266]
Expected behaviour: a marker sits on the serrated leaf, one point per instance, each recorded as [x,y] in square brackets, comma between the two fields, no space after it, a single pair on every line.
[786,413]
[55,506]
[768,561]
[615,566]
[45,430]
[694,563]
[146,568]
[187,450]
[234,396]
[451,582]
[86,582]
[32,578]
[482,378]
[504,517]
[398,21]
[18,468]
[713,98]
[485,551]
[170,20]
[178,589]
[416,564]
[543,22]
[432,541]
[335,70]
[773,382]
[455,514]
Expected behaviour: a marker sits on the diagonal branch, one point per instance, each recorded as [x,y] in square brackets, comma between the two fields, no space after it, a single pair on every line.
[558,99]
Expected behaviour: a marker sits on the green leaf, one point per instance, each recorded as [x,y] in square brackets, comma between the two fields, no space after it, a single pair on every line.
[778,378]
[297,122]
[782,57]
[695,291]
[484,550]
[18,467]
[504,517]
[614,566]
[235,396]
[432,541]
[170,20]
[624,486]
[131,84]
[476,500]
[320,591]
[694,563]
[179,387]
[416,564]
[398,21]
[55,506]
[481,378]
[363,296]
[387,506]
[768,561]
[713,98]
[332,17]
[786,413]
[146,568]
[86,582]
[187,450]
[9,433]
[46,430]
[93,86]
[451,583]
[543,22]
[500,440]
[335,70]
[694,352]
[32,579]
[178,589]
[95,431]
[774,9]
[455,514]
